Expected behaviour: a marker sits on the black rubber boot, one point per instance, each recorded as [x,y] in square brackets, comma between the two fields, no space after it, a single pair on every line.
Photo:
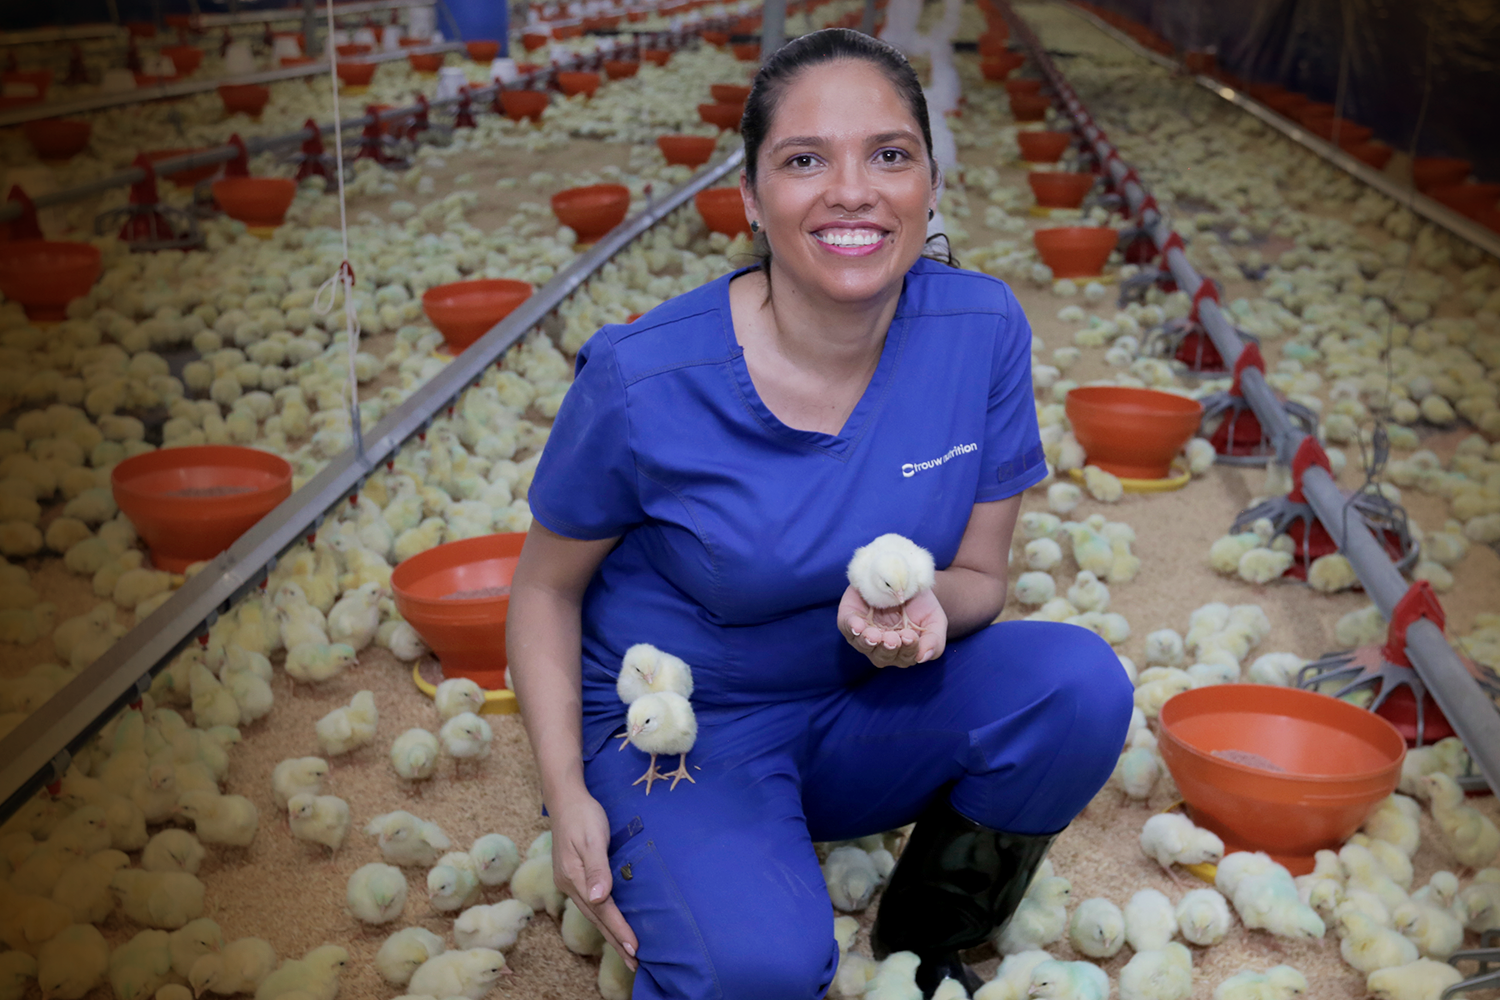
[956,881]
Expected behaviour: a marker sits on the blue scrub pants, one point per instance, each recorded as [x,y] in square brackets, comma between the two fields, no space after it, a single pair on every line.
[719,880]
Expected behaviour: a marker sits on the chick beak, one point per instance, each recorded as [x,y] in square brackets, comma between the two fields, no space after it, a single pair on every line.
[507,971]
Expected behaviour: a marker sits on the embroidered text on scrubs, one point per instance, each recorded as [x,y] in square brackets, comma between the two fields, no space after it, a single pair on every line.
[909,469]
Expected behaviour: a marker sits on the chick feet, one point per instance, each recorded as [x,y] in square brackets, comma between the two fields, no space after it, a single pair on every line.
[680,773]
[651,776]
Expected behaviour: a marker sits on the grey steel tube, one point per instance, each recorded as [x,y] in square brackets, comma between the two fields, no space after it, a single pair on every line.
[39,749]
[772,27]
[1471,712]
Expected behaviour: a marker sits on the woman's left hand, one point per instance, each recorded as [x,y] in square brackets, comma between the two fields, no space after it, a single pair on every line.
[878,633]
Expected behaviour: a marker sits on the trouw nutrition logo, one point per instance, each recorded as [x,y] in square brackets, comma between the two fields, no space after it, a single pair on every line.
[912,468]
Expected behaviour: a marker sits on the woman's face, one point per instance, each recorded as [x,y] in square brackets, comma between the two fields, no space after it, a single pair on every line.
[844,184]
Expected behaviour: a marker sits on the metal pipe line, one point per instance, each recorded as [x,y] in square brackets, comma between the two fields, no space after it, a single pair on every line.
[77,33]
[38,751]
[1470,711]
[205,21]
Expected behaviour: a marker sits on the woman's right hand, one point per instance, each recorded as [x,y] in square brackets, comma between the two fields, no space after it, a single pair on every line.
[580,867]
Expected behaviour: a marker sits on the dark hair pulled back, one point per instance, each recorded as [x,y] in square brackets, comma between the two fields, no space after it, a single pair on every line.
[816,48]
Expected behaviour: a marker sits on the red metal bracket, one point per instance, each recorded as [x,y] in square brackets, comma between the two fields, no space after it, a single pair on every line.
[419,122]
[1419,601]
[312,154]
[24,226]
[1250,357]
[54,788]
[465,116]
[1206,290]
[240,165]
[1149,202]
[77,70]
[1309,454]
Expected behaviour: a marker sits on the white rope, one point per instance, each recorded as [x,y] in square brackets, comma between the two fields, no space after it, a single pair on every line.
[345,273]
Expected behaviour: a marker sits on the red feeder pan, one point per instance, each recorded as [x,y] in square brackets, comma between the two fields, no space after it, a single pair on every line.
[1133,433]
[345,51]
[621,69]
[40,79]
[992,43]
[998,67]
[287,61]
[723,210]
[244,98]
[519,104]
[1043,147]
[190,504]
[182,178]
[1075,251]
[658,56]
[466,632]
[578,83]
[58,139]
[411,43]
[464,311]
[356,74]
[686,150]
[426,62]
[1029,107]
[725,116]
[1375,154]
[1277,769]
[1429,172]
[482,50]
[44,276]
[186,58]
[747,52]
[1467,199]
[591,211]
[1059,190]
[1029,85]
[534,40]
[258,202]
[715,38]
[729,93]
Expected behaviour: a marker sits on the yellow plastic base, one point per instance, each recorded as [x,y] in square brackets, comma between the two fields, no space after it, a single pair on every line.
[1176,481]
[355,90]
[495,702]
[262,232]
[1207,871]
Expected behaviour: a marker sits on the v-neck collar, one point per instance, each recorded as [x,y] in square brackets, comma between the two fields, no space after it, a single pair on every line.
[859,419]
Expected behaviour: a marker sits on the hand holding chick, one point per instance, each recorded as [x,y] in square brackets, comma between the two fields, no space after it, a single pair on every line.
[889,612]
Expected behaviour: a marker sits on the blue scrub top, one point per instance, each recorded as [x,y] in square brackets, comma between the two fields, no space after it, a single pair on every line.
[735,529]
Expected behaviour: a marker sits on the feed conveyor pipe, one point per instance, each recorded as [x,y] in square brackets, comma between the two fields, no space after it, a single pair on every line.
[40,749]
[1458,694]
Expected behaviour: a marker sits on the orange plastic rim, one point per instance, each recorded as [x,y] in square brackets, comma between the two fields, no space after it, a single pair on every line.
[183,178]
[686,150]
[357,74]
[1043,147]
[426,62]
[522,104]
[729,93]
[1029,85]
[1374,154]
[578,83]
[723,210]
[464,311]
[725,116]
[592,211]
[658,56]
[482,49]
[718,38]
[255,201]
[467,634]
[747,52]
[248,98]
[1059,190]
[1029,107]
[186,58]
[183,529]
[45,275]
[1338,763]
[621,69]
[1130,432]
[1430,172]
[1467,199]
[58,138]
[1075,251]
[352,50]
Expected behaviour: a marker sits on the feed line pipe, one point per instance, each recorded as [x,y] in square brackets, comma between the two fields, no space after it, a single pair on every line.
[254,146]
[1470,711]
[40,749]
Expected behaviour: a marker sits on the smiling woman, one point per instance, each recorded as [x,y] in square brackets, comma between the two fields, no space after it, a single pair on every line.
[714,466]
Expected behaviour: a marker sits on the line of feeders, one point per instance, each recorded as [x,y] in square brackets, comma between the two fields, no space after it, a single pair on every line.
[1281,769]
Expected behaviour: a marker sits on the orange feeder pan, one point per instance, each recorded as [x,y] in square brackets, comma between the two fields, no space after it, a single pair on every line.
[466,633]
[1029,107]
[998,67]
[1429,172]
[190,504]
[578,83]
[715,38]
[1132,433]
[258,202]
[426,62]
[522,104]
[725,116]
[592,211]
[44,275]
[186,58]
[659,57]
[1374,154]
[41,79]
[1075,251]
[686,150]
[1467,199]
[1043,147]
[287,61]
[482,50]
[58,139]
[1324,765]
[992,43]
[621,69]
[464,311]
[723,210]
[534,40]
[345,51]
[244,98]
[730,93]
[182,178]
[356,74]
[747,52]
[1029,85]
[1059,190]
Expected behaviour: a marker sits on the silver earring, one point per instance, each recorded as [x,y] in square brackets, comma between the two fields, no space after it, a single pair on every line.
[754,227]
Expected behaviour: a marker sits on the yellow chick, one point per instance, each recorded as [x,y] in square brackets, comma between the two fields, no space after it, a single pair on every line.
[350,727]
[322,819]
[1469,834]
[1422,979]
[72,963]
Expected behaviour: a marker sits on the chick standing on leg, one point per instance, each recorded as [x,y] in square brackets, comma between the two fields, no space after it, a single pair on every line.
[662,722]
[646,669]
[890,571]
